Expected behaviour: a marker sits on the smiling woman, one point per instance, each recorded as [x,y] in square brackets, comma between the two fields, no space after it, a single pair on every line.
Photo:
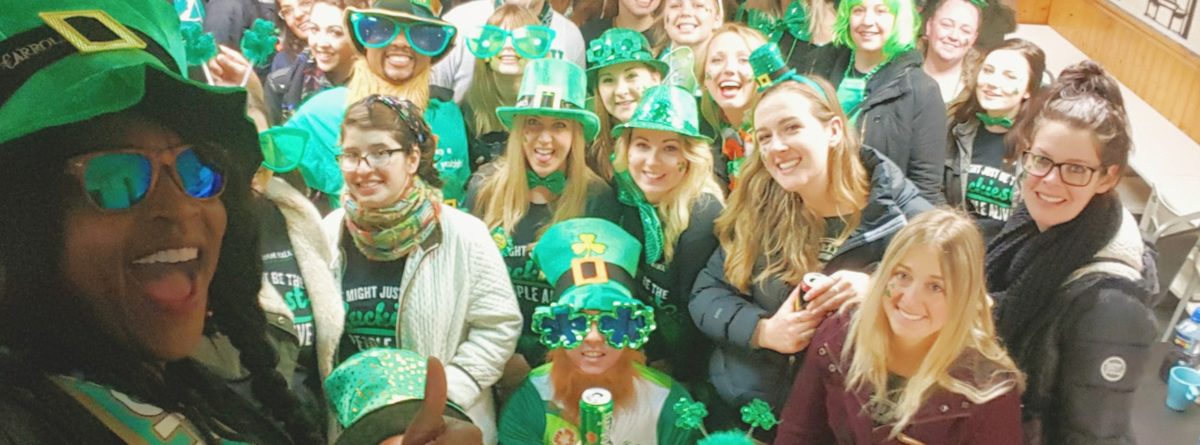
[124,242]
[621,66]
[723,65]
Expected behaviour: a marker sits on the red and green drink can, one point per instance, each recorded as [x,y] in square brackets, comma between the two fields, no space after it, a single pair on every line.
[595,416]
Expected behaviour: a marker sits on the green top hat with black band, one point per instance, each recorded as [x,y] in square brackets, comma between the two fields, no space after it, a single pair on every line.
[617,46]
[666,108]
[770,68]
[376,393]
[386,20]
[592,264]
[552,87]
[67,61]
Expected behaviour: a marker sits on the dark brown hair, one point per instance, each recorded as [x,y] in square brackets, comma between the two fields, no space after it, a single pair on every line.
[1033,55]
[1084,97]
[407,123]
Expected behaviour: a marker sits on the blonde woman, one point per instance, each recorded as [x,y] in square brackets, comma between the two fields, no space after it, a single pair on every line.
[511,38]
[919,361]
[811,199]
[542,179]
[723,67]
[670,201]
[621,65]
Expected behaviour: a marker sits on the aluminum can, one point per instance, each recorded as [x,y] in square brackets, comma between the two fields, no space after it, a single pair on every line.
[595,416]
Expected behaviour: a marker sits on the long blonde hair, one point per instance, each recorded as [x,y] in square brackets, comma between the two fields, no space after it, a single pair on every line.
[504,197]
[674,209]
[483,96]
[709,110]
[968,322]
[790,246]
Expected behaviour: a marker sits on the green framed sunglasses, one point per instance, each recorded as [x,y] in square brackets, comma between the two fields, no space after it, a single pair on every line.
[377,31]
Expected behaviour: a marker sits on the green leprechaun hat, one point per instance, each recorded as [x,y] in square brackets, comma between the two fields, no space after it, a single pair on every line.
[666,108]
[556,88]
[770,68]
[376,393]
[617,46]
[591,263]
[67,61]
[435,36]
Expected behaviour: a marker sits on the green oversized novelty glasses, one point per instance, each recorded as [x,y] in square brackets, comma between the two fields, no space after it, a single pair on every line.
[119,179]
[626,325]
[282,148]
[530,42]
[376,31]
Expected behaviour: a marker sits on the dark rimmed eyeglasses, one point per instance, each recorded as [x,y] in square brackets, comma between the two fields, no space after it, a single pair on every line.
[1077,175]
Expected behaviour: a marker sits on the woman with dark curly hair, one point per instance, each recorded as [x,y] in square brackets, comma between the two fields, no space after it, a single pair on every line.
[124,238]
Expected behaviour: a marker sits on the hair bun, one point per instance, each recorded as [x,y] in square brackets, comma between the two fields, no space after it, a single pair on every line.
[1088,77]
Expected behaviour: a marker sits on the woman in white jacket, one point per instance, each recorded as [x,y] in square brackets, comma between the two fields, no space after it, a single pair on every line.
[416,274]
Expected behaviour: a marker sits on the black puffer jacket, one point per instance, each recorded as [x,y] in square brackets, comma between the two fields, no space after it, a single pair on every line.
[729,317]
[903,115]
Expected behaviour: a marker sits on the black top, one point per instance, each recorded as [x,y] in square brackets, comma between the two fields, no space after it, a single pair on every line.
[371,291]
[990,183]
[667,288]
[281,270]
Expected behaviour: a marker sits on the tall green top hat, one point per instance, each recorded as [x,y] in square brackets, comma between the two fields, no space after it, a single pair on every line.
[67,61]
[376,393]
[617,46]
[591,263]
[556,88]
[770,68]
[666,108]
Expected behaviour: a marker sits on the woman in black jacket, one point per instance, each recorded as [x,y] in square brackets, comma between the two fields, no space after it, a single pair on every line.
[1069,272]
[811,199]
[123,242]
[896,106]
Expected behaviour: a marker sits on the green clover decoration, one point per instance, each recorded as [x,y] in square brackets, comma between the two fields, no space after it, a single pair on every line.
[758,414]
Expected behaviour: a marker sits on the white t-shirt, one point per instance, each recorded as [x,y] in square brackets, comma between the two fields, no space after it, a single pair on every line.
[455,70]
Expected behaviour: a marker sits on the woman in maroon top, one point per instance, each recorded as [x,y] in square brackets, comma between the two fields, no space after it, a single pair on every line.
[919,361]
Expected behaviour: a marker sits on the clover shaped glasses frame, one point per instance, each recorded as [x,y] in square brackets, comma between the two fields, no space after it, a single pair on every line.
[626,325]
[530,42]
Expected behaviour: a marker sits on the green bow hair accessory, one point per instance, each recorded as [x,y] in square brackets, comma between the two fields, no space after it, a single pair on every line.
[980,3]
[197,44]
[258,42]
[555,183]
[631,195]
[1005,122]
[794,22]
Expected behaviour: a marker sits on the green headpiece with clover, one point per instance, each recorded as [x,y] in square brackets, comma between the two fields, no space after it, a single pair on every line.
[617,46]
[689,415]
[592,264]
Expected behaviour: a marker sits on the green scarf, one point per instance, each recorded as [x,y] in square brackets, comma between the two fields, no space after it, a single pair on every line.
[851,91]
[555,183]
[989,121]
[631,195]
[391,233]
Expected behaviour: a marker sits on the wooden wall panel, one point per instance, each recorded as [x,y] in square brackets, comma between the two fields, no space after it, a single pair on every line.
[1162,72]
[1034,12]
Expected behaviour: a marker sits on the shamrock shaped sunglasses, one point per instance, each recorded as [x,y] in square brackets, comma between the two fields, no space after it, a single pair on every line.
[626,325]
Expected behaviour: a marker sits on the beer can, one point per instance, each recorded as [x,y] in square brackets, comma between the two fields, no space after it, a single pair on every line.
[595,416]
[806,284]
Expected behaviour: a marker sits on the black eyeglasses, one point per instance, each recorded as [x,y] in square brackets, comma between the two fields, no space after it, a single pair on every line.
[1071,174]
[375,159]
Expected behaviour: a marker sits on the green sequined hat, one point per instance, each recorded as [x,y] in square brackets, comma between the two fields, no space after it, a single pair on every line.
[556,88]
[591,262]
[770,68]
[617,46]
[376,393]
[666,108]
[68,61]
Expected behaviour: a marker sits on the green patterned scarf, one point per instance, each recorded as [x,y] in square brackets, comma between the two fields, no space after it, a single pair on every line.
[631,195]
[391,233]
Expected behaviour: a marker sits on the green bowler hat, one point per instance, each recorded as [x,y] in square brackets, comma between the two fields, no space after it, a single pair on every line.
[67,61]
[617,46]
[552,87]
[770,68]
[666,108]
[376,393]
[592,262]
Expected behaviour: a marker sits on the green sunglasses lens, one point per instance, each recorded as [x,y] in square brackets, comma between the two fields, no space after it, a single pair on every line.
[117,181]
[427,39]
[489,43]
[533,42]
[282,148]
[373,31]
